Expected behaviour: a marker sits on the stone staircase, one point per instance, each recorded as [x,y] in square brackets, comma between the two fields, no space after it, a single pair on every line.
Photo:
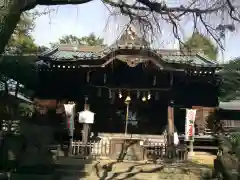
[72,168]
[66,168]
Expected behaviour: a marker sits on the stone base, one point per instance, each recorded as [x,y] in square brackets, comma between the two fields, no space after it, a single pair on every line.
[16,176]
[191,155]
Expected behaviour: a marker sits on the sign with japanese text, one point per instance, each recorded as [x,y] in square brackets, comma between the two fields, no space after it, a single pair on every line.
[189,124]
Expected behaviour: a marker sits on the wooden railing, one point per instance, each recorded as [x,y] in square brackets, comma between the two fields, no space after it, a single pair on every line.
[159,151]
[91,149]
[151,150]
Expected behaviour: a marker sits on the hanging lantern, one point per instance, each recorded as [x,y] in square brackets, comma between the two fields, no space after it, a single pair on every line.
[128,99]
[144,98]
[120,94]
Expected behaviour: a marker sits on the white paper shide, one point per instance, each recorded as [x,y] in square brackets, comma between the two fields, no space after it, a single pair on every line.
[86,116]
[69,109]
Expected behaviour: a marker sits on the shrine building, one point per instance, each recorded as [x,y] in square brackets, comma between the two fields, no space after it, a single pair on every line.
[161,84]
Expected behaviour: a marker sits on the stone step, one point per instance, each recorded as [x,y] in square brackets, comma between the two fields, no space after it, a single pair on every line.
[72,168]
[73,160]
[71,178]
[71,173]
[16,176]
[72,163]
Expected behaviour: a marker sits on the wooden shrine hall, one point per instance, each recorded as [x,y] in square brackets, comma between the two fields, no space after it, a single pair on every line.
[159,84]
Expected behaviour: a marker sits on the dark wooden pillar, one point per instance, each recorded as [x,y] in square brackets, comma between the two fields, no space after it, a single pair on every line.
[170,124]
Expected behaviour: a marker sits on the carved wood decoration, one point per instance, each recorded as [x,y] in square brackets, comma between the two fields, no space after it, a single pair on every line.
[132,61]
[131,38]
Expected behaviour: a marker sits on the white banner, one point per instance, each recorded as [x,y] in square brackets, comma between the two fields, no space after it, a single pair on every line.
[70,112]
[189,124]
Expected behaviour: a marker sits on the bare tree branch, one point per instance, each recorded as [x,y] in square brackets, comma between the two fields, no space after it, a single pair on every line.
[204,15]
[150,15]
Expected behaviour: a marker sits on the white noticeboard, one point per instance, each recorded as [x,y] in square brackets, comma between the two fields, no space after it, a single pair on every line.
[86,117]
[189,124]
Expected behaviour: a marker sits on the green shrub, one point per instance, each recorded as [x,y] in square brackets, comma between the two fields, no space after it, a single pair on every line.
[234,138]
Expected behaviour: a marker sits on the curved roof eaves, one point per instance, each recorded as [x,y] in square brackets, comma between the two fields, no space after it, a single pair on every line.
[72,55]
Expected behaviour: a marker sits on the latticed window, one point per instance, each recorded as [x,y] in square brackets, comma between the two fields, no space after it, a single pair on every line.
[230,123]
[132,118]
[11,126]
[2,86]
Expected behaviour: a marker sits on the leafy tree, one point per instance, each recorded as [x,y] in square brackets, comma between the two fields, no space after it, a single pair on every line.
[199,41]
[42,49]
[230,80]
[70,39]
[91,40]
[21,41]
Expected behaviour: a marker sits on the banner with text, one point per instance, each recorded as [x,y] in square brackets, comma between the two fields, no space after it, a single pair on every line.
[189,124]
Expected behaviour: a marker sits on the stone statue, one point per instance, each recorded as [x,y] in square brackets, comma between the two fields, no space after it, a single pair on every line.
[37,134]
[226,164]
[36,157]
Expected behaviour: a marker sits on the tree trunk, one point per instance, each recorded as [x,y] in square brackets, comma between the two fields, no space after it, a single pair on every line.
[11,10]
[9,16]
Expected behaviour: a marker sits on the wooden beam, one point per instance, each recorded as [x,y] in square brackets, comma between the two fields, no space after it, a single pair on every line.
[170,124]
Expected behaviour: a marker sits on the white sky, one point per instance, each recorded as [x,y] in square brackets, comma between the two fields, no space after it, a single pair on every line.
[81,20]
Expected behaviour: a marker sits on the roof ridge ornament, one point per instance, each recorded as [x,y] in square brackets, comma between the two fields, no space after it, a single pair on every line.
[131,33]
[131,39]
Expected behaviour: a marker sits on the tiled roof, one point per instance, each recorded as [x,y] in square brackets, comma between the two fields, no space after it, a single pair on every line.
[69,55]
[129,40]
[231,105]
[82,52]
[193,59]
[72,52]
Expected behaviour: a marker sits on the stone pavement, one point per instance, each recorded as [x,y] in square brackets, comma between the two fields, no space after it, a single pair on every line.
[105,170]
